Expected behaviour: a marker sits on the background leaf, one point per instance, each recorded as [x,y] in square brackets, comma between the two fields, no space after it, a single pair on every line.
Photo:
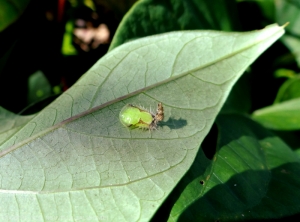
[289,90]
[75,160]
[38,87]
[10,11]
[280,116]
[243,180]
[170,15]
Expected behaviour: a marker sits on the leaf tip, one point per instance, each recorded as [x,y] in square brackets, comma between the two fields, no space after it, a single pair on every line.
[286,24]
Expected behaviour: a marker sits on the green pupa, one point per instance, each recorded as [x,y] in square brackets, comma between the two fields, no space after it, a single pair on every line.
[137,117]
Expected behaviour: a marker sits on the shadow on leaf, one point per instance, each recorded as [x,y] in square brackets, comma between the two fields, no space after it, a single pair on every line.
[174,123]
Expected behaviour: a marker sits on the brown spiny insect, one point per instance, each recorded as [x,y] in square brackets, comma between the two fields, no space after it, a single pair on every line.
[159,116]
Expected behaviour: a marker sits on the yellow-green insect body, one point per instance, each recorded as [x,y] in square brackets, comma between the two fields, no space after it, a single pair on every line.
[137,117]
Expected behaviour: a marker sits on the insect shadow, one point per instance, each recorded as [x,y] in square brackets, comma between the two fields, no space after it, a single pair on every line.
[174,123]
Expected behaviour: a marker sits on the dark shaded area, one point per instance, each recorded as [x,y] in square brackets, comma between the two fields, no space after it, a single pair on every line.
[232,207]
[293,218]
[239,99]
[291,138]
[263,85]
[34,43]
[209,143]
[29,44]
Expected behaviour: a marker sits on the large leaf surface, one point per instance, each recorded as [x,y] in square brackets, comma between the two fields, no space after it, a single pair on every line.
[253,175]
[75,160]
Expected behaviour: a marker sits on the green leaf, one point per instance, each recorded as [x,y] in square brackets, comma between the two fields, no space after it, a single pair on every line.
[253,175]
[280,116]
[293,44]
[38,87]
[159,16]
[287,73]
[10,11]
[289,90]
[76,160]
